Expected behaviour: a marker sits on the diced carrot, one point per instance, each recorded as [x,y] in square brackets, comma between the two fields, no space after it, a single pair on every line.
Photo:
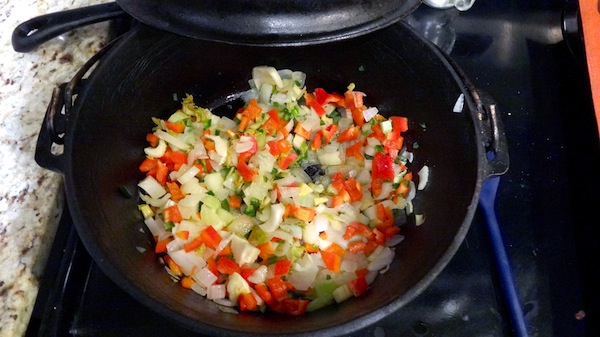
[183,235]
[284,146]
[301,131]
[309,248]
[336,249]
[235,201]
[187,282]
[252,110]
[175,191]
[152,139]
[304,213]
[175,127]
[225,251]
[193,245]
[174,267]
[266,251]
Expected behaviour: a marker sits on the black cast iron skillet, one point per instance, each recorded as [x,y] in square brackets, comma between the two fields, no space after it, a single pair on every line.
[249,22]
[402,74]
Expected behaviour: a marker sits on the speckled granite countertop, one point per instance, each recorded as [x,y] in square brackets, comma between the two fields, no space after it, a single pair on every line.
[31,197]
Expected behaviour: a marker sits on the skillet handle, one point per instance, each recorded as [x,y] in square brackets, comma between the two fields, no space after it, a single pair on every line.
[49,151]
[32,33]
[492,130]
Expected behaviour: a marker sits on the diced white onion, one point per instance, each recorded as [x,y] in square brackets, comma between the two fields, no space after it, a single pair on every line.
[423,177]
[205,277]
[369,113]
[216,291]
[152,187]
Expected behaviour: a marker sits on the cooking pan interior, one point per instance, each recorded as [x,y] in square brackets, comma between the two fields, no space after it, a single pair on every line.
[149,72]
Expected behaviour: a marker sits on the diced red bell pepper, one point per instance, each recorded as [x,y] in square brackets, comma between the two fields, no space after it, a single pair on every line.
[277,288]
[162,171]
[317,141]
[318,108]
[148,164]
[227,266]
[328,132]
[354,189]
[211,264]
[337,181]
[246,272]
[358,286]
[210,237]
[284,162]
[243,169]
[247,302]
[349,134]
[290,306]
[323,97]
[263,292]
[172,214]
[358,228]
[383,167]
[331,260]
[161,246]
[282,267]
[355,151]
[399,124]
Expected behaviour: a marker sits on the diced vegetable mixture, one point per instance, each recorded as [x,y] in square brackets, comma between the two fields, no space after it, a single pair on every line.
[289,206]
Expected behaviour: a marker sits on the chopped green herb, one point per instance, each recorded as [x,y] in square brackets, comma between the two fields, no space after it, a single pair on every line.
[225,205]
[379,148]
[169,225]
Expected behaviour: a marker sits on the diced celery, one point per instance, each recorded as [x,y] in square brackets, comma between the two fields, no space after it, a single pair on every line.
[257,236]
[225,216]
[241,225]
[212,202]
[146,211]
[342,293]
[324,293]
[210,217]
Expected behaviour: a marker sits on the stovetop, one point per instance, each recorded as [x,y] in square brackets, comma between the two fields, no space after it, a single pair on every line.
[516,53]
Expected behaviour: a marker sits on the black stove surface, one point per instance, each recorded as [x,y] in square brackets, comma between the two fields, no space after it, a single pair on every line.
[545,203]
